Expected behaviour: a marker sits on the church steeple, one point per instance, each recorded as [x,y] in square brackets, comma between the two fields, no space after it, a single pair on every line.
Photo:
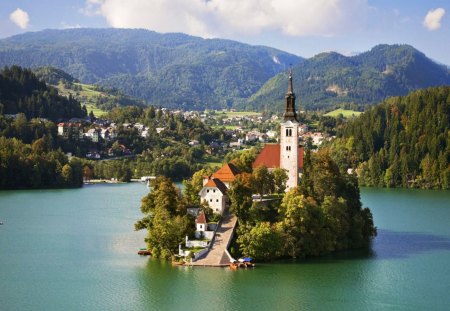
[290,114]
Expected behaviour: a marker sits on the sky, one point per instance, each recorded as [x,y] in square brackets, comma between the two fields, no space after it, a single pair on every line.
[301,27]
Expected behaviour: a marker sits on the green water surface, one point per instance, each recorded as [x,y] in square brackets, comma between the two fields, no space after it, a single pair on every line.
[76,250]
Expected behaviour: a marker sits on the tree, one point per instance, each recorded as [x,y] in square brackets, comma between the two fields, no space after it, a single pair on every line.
[240,194]
[66,174]
[193,186]
[262,181]
[166,232]
[280,178]
[261,242]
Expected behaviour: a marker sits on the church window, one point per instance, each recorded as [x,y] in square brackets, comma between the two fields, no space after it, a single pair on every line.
[210,200]
[217,200]
[207,191]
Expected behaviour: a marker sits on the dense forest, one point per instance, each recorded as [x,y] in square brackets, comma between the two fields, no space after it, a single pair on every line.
[21,91]
[404,141]
[323,214]
[36,166]
[367,78]
[169,70]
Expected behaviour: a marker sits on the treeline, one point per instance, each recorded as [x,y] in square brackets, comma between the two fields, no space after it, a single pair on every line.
[27,130]
[403,142]
[25,166]
[22,91]
[323,214]
[124,170]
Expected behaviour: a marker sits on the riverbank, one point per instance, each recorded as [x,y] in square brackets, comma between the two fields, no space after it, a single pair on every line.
[108,181]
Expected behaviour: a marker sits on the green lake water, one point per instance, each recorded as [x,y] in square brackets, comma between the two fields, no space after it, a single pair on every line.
[76,250]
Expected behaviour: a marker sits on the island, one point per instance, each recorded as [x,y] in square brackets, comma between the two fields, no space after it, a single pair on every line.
[283,201]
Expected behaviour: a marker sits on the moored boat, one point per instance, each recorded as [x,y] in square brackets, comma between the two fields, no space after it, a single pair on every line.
[144,252]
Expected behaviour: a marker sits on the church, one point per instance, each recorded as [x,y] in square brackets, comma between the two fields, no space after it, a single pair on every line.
[288,154]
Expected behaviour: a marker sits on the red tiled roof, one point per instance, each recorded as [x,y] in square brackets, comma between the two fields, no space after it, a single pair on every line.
[270,157]
[201,218]
[227,173]
[217,183]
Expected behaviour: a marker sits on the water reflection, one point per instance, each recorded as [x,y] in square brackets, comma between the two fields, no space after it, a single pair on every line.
[396,245]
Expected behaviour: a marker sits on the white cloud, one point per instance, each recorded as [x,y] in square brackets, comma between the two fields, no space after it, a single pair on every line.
[20,18]
[208,18]
[433,18]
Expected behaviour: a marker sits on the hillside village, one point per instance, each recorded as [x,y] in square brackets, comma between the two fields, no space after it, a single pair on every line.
[243,132]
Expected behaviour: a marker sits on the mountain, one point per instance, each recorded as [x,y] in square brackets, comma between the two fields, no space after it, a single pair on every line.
[171,70]
[22,92]
[404,141]
[367,78]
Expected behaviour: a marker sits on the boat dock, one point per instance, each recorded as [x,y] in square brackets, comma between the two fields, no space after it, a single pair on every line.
[218,255]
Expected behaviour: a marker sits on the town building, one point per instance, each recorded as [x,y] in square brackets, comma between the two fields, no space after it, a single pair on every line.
[69,130]
[215,188]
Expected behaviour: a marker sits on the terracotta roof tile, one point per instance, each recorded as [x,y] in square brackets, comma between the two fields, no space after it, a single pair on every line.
[270,157]
[201,218]
[227,173]
[217,183]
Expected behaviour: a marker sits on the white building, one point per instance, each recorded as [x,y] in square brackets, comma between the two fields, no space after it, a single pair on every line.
[214,193]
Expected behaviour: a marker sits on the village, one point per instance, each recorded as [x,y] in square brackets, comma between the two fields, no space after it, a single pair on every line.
[240,132]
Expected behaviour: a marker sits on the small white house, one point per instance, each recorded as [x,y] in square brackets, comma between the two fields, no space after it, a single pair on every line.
[214,192]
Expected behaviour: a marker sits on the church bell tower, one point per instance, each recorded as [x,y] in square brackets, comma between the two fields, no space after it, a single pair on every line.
[289,143]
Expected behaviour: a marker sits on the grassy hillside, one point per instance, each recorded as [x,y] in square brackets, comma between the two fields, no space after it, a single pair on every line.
[96,98]
[346,113]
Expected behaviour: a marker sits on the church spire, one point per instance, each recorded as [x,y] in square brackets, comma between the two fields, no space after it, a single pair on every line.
[290,114]
[290,88]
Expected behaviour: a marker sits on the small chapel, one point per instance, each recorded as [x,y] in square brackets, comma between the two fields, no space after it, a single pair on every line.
[288,153]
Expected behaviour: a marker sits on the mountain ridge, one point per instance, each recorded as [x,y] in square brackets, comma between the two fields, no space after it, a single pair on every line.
[170,70]
[176,70]
[366,78]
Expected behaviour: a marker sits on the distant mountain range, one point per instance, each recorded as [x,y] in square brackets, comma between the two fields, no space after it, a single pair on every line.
[367,78]
[171,70]
[181,71]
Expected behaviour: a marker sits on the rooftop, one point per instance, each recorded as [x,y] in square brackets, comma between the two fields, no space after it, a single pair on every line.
[227,173]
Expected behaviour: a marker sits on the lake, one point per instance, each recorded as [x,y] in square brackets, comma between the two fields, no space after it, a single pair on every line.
[75,249]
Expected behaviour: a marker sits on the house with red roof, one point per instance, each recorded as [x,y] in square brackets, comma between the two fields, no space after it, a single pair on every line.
[215,188]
